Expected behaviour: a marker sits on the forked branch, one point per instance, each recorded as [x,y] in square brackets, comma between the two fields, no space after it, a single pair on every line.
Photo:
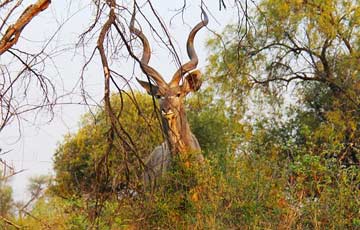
[13,32]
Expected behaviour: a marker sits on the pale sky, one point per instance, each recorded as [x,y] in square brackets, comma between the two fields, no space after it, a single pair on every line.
[33,150]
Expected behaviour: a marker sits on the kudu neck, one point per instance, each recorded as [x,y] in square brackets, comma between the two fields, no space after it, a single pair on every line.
[179,135]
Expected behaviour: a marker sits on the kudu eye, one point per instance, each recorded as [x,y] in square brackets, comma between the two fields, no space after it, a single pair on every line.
[178,95]
[157,96]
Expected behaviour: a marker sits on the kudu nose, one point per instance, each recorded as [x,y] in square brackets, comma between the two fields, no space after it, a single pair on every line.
[167,113]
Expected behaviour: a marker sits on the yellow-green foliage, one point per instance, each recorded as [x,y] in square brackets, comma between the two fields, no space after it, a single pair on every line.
[256,192]
[79,160]
[5,197]
[259,189]
[6,201]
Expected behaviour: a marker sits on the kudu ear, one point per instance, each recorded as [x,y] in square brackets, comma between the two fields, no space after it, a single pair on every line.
[192,82]
[150,88]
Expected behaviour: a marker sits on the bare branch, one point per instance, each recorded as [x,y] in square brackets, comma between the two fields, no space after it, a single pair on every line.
[12,34]
[9,222]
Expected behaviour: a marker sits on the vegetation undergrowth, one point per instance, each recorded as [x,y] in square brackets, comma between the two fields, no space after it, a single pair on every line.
[255,192]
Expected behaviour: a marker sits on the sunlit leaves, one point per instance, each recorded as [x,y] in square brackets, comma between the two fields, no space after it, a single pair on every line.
[78,159]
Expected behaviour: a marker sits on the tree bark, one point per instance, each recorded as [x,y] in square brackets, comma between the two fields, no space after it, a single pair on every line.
[13,32]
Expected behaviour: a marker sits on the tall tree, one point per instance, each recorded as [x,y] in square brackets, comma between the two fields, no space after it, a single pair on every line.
[308,47]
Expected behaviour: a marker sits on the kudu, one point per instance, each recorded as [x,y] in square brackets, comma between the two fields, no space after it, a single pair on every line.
[178,137]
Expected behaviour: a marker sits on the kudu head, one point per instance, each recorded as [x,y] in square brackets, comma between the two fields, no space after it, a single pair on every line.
[172,94]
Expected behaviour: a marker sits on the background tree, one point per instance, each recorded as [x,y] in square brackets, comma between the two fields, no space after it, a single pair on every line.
[304,50]
[6,198]
[77,159]
[6,203]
